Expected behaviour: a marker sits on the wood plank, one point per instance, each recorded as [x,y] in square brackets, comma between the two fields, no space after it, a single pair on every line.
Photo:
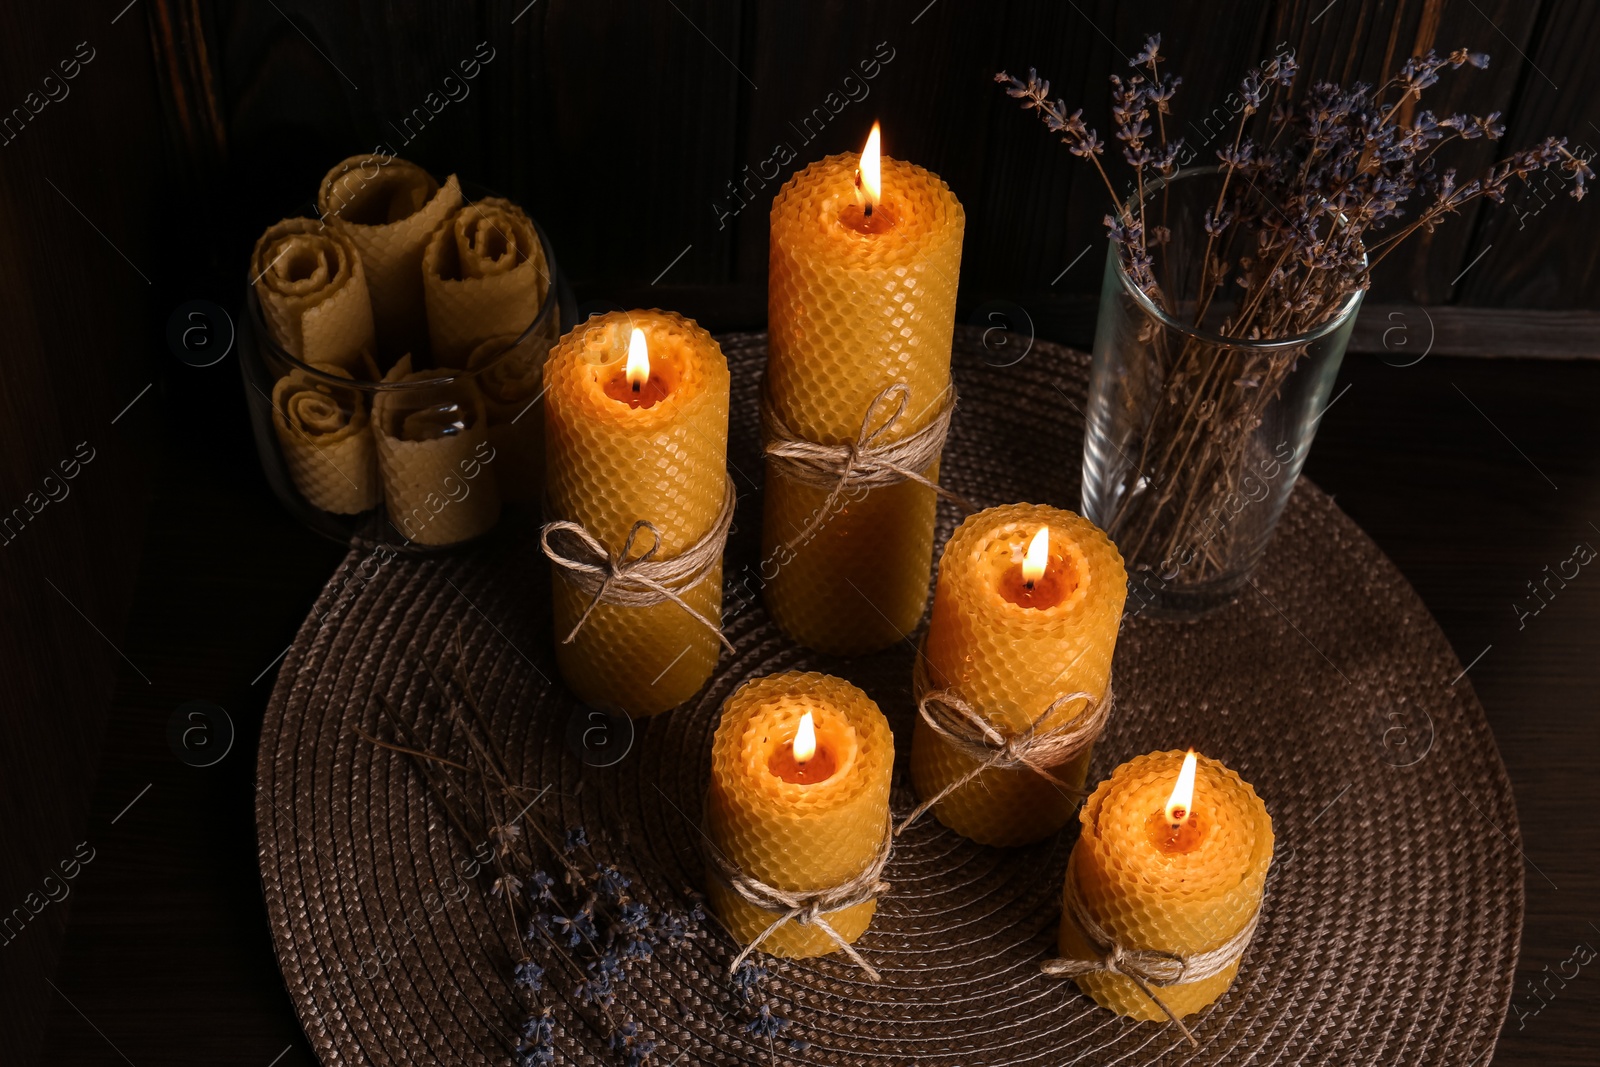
[1043,208]
[509,97]
[1541,249]
[78,212]
[922,71]
[306,87]
[1406,332]
[1346,41]
[616,124]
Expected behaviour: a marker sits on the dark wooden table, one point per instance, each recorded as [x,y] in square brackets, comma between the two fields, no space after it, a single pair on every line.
[1473,474]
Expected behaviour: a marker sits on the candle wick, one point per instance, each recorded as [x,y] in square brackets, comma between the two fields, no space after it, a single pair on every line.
[867,210]
[636,386]
[1029,583]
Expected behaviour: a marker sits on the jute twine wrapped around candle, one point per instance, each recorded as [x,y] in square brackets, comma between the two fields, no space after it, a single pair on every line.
[631,581]
[806,907]
[1149,969]
[966,729]
[868,462]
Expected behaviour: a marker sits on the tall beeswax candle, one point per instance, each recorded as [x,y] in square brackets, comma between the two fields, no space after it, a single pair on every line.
[857,301]
[798,825]
[1156,882]
[1010,643]
[615,455]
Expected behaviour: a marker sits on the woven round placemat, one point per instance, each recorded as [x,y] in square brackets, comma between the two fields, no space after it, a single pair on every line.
[1394,907]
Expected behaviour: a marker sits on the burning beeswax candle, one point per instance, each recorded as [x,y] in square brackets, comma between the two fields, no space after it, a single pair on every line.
[861,296]
[799,801]
[1172,859]
[636,430]
[1025,613]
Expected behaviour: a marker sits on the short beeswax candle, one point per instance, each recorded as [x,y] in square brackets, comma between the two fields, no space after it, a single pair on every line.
[861,295]
[623,447]
[1013,631]
[794,822]
[1163,873]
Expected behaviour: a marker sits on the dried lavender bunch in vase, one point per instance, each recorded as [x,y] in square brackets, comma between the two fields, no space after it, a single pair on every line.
[1231,289]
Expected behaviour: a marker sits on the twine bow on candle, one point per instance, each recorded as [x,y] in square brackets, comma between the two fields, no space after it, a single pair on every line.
[868,462]
[806,907]
[965,729]
[1146,968]
[637,581]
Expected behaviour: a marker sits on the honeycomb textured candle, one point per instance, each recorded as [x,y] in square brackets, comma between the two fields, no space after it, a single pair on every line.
[609,465]
[1149,898]
[1011,661]
[791,836]
[851,313]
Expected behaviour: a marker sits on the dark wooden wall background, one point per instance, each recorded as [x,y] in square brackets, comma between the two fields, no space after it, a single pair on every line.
[76,271]
[624,126]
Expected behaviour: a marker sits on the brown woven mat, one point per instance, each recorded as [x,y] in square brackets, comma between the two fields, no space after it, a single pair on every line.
[1394,908]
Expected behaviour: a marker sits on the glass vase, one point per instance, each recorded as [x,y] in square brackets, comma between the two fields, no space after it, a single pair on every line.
[1193,439]
[337,451]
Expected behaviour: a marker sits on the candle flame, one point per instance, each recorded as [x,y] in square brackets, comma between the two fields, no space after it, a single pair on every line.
[805,739]
[868,174]
[1037,557]
[1179,805]
[638,359]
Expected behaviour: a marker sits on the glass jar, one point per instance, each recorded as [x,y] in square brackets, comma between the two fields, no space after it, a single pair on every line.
[421,462]
[1193,440]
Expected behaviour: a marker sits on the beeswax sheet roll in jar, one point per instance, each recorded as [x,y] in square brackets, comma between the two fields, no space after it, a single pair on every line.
[785,828]
[484,275]
[615,456]
[856,303]
[324,431]
[1183,893]
[1010,647]
[312,290]
[388,208]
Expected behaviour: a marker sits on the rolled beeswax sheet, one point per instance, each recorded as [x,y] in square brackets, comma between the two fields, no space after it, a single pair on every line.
[388,208]
[484,275]
[436,459]
[326,438]
[313,293]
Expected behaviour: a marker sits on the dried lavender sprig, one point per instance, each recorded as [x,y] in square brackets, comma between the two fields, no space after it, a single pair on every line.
[1074,133]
